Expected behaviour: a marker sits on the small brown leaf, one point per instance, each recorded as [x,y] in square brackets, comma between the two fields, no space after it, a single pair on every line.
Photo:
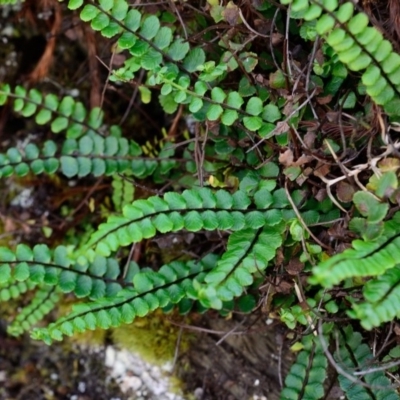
[322,169]
[321,195]
[276,38]
[9,224]
[389,164]
[332,116]
[304,176]
[259,78]
[345,192]
[263,26]
[286,158]
[291,103]
[118,59]
[279,257]
[294,267]
[319,57]
[231,13]
[324,99]
[303,159]
[284,287]
[281,127]
[309,139]
[213,126]
[338,230]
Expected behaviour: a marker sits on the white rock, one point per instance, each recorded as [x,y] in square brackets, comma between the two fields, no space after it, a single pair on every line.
[131,383]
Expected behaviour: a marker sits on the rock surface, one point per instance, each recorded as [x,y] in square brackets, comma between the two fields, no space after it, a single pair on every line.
[138,379]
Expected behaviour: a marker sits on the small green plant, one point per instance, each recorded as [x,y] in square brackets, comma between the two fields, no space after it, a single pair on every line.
[257,170]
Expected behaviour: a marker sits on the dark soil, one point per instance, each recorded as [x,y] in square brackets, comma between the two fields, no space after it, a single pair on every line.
[31,370]
[240,360]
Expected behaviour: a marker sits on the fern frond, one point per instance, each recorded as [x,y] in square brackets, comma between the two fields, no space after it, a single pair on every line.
[248,252]
[91,154]
[366,258]
[382,299]
[66,114]
[358,46]
[305,380]
[192,210]
[152,290]
[170,62]
[43,302]
[86,150]
[353,355]
[143,35]
[123,191]
[41,265]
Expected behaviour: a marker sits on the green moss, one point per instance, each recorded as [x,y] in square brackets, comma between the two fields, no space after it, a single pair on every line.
[154,338]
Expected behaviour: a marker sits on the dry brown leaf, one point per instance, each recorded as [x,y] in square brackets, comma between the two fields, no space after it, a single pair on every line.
[118,59]
[284,287]
[259,78]
[332,116]
[324,99]
[322,169]
[213,127]
[338,230]
[345,191]
[286,158]
[294,267]
[304,176]
[269,291]
[309,139]
[263,26]
[279,258]
[319,56]
[231,13]
[276,38]
[389,164]
[303,159]
[281,127]
[291,103]
[8,224]
[321,195]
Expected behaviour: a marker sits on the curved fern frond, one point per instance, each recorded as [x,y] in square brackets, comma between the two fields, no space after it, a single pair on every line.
[43,302]
[123,191]
[143,35]
[41,265]
[248,252]
[382,299]
[152,290]
[305,380]
[366,258]
[353,355]
[91,154]
[193,210]
[66,114]
[358,46]
[171,62]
